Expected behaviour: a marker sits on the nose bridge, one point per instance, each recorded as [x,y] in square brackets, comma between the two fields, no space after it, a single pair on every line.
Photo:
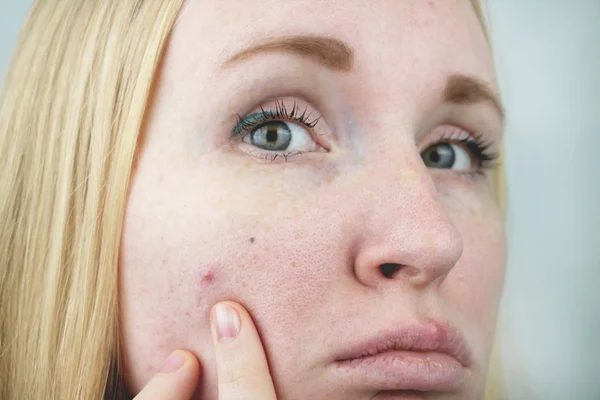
[408,224]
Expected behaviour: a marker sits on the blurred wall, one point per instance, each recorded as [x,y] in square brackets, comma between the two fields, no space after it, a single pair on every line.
[548,55]
[12,13]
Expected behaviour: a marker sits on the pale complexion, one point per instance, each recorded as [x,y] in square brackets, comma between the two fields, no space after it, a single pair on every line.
[300,236]
[243,372]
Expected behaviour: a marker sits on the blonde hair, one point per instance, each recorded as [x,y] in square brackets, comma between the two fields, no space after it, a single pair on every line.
[71,113]
[70,116]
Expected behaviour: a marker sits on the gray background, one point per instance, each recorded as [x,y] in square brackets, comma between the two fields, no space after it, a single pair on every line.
[548,56]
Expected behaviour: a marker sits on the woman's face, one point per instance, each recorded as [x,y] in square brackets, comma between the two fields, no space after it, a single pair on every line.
[326,164]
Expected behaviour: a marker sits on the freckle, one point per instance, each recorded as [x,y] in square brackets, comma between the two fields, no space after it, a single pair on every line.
[294,265]
[252,240]
[164,262]
[187,314]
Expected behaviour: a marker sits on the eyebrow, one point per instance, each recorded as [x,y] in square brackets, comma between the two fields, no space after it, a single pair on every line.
[338,56]
[463,89]
[332,53]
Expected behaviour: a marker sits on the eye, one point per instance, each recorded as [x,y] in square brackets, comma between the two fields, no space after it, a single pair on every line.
[281,136]
[281,130]
[448,156]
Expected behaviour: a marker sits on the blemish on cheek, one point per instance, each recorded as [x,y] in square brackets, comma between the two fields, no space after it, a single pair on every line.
[208,275]
[207,278]
[431,4]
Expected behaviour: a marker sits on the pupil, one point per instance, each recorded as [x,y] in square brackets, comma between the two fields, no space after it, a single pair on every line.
[272,134]
[435,156]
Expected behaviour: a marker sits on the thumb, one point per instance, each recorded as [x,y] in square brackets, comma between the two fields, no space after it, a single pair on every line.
[242,369]
[176,380]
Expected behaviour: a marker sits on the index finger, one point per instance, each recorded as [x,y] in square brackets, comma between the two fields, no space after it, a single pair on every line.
[243,371]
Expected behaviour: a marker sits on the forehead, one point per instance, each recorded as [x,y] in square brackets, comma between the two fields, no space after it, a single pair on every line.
[374,28]
[413,44]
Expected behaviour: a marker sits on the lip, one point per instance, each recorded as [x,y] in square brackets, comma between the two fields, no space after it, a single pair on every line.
[430,356]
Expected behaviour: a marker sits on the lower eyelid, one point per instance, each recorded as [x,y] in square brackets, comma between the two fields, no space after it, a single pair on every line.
[271,157]
[448,177]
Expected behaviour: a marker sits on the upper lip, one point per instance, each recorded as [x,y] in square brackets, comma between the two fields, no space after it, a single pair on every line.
[431,336]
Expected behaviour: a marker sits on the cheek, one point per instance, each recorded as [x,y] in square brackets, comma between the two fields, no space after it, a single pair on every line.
[477,280]
[177,261]
[480,274]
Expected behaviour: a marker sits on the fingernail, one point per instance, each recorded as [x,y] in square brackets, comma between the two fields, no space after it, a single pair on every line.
[172,363]
[228,323]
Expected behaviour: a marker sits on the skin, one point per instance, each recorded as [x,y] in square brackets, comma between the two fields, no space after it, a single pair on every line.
[243,373]
[299,242]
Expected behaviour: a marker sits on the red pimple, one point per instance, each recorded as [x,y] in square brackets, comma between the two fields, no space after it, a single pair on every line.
[207,273]
[207,277]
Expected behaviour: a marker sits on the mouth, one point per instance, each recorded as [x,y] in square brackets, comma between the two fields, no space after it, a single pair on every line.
[428,357]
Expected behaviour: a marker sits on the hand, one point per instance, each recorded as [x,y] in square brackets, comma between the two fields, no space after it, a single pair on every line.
[243,373]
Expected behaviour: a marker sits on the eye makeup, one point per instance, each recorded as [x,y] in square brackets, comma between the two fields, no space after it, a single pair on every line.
[449,141]
[297,114]
[283,130]
[286,128]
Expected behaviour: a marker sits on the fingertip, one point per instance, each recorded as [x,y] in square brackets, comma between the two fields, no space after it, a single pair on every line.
[242,367]
[174,362]
[226,321]
[191,361]
[176,379]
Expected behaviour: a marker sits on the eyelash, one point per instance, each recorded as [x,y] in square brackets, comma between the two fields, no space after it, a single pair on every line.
[246,124]
[280,113]
[476,144]
[479,148]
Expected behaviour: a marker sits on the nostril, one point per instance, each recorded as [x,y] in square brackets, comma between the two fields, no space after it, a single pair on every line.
[389,269]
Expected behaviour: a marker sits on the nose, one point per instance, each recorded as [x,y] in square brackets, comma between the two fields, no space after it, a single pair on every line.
[409,235]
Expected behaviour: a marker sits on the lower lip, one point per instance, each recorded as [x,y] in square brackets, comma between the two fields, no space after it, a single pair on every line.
[404,370]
